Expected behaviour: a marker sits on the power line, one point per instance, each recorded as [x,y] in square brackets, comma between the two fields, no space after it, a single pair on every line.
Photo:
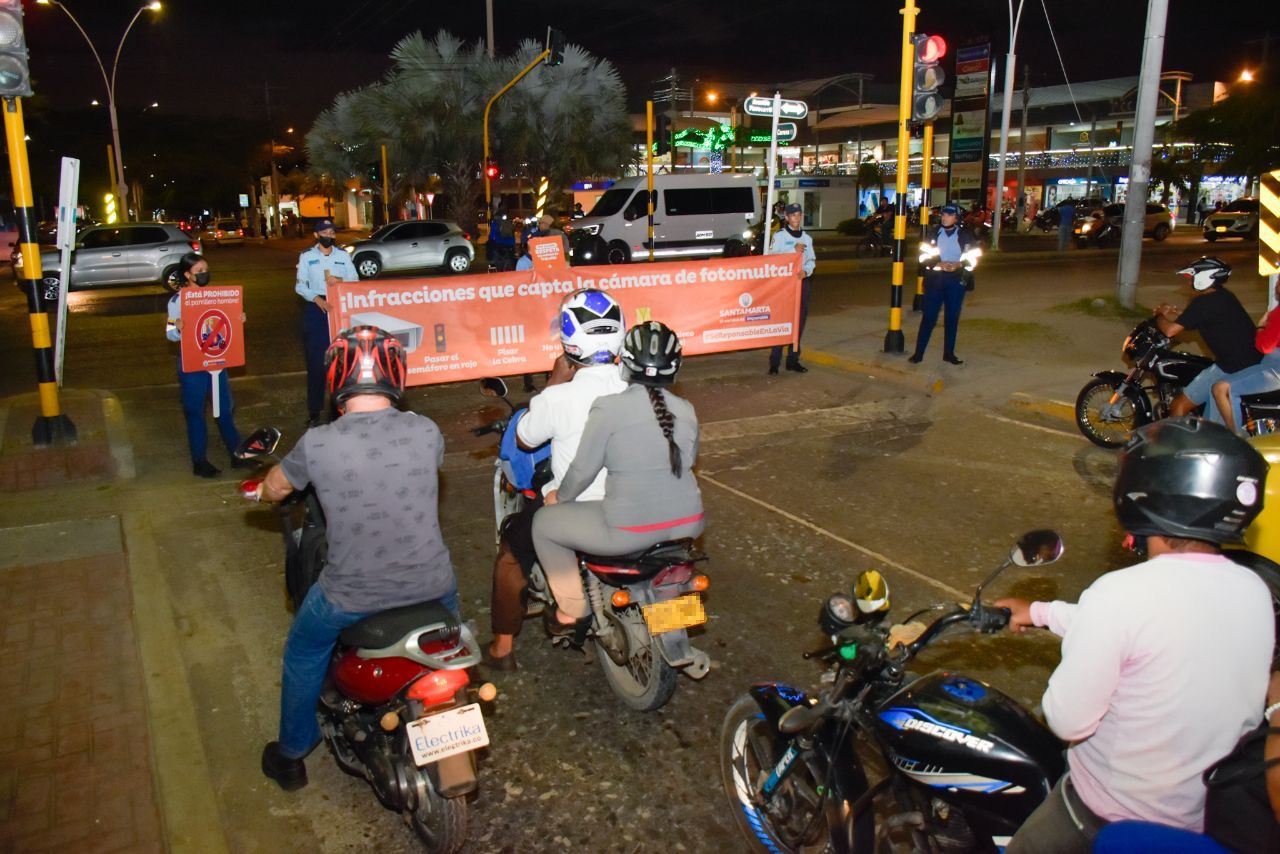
[1062,64]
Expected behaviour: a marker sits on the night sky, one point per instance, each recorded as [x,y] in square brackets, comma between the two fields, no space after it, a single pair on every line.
[212,57]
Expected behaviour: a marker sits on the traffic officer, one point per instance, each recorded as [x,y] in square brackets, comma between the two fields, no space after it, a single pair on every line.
[948,255]
[317,267]
[786,241]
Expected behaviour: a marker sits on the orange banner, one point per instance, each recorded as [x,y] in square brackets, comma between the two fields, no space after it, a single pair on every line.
[499,324]
[212,328]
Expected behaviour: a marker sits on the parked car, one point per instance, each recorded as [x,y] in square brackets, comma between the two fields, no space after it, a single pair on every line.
[1238,219]
[413,245]
[1102,227]
[133,253]
[694,216]
[224,232]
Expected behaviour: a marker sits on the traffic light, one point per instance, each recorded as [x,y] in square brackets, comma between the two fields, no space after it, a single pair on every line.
[661,134]
[491,170]
[926,76]
[15,75]
[555,47]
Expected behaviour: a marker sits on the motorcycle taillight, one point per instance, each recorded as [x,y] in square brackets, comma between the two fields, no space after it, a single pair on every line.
[438,686]
[678,574]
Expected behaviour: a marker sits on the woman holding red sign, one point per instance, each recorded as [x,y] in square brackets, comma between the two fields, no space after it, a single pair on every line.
[195,387]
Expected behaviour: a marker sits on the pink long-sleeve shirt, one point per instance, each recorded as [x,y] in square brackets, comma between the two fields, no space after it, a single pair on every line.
[1164,666]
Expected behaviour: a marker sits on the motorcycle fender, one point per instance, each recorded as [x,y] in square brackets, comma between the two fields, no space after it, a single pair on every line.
[1140,400]
[680,654]
[454,775]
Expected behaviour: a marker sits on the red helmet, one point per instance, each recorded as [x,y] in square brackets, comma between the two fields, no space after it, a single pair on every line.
[364,360]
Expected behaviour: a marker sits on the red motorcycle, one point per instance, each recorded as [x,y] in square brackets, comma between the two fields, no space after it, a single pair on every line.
[398,707]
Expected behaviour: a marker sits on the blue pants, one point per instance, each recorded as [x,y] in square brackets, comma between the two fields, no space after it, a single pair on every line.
[793,353]
[315,341]
[312,637]
[195,388]
[1133,837]
[941,289]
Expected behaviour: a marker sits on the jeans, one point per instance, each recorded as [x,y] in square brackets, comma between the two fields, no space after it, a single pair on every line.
[315,341]
[1060,825]
[312,637]
[941,289]
[793,352]
[195,388]
[1200,390]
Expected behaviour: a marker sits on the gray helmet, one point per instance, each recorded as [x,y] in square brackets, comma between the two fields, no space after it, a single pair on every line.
[651,354]
[1186,477]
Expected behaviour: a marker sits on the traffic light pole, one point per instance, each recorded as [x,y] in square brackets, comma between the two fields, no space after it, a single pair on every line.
[52,426]
[893,339]
[488,189]
[926,181]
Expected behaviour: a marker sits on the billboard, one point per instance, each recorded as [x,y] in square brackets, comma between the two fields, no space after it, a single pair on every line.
[970,122]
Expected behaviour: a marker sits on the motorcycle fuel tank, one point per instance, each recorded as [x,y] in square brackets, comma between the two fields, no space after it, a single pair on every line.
[373,680]
[972,746]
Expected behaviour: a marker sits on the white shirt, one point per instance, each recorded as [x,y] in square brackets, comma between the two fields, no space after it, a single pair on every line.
[1164,666]
[313,264]
[559,415]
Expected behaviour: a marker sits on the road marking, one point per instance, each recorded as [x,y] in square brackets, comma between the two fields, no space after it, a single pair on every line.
[1030,426]
[941,585]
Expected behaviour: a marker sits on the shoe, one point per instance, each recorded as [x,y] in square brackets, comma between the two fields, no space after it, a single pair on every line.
[951,357]
[916,358]
[204,468]
[555,628]
[290,774]
[797,367]
[501,663]
[773,370]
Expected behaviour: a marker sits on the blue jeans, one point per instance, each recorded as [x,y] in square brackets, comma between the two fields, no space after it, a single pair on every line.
[793,353]
[195,388]
[315,341]
[312,637]
[1200,390]
[941,289]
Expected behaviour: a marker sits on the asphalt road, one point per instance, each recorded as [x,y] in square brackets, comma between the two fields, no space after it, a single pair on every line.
[807,481]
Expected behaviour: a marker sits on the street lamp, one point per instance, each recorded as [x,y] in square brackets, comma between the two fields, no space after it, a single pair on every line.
[1015,20]
[110,82]
[1246,76]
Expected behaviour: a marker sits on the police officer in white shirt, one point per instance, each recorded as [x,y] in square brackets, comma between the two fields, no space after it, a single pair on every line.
[317,267]
[789,238]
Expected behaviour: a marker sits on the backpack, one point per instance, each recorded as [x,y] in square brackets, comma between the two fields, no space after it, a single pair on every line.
[506,229]
[1236,810]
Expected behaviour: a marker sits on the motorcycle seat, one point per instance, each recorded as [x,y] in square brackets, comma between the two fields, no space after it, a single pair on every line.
[1263,400]
[384,628]
[652,560]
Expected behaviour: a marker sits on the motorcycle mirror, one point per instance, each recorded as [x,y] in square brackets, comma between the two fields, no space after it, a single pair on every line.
[260,443]
[1037,548]
[493,387]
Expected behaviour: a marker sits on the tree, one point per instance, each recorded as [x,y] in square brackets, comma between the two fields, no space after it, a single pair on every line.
[869,173]
[1248,122]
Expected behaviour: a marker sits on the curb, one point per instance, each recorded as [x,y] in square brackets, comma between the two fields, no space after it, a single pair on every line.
[1054,409]
[827,359]
[117,436]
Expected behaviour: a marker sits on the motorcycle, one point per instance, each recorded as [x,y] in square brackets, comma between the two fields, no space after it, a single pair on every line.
[1112,405]
[964,764]
[398,708]
[642,605]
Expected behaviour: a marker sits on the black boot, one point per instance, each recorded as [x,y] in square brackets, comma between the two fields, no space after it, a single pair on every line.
[290,774]
[951,357]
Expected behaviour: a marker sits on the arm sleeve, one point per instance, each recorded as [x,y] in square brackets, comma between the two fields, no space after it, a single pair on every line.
[170,328]
[348,269]
[1055,616]
[589,460]
[1268,335]
[697,439]
[303,285]
[1080,689]
[294,465]
[1190,317]
[535,427]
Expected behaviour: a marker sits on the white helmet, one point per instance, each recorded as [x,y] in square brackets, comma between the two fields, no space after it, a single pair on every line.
[591,328]
[1206,272]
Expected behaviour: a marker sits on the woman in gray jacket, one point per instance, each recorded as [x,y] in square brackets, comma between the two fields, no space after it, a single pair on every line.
[647,440]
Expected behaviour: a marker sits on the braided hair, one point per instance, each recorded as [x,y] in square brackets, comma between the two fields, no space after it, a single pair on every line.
[667,422]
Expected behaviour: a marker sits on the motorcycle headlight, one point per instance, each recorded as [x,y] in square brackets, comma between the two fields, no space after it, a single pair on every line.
[746,235]
[837,614]
[1086,227]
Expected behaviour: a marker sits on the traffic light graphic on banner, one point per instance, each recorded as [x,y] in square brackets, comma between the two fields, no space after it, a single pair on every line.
[926,76]
[15,74]
[661,134]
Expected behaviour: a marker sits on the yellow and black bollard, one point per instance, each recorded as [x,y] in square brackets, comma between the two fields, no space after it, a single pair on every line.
[893,339]
[52,426]
[926,181]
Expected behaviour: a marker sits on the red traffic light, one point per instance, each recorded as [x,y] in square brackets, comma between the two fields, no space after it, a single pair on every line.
[931,49]
[491,170]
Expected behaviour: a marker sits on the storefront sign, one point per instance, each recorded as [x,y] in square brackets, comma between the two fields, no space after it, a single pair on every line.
[212,328]
[970,122]
[466,327]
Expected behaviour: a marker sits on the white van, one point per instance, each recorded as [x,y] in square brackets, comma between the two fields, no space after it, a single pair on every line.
[693,216]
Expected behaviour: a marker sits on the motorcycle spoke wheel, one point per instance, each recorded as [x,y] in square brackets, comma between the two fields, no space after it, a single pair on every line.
[1102,422]
[441,823]
[645,681]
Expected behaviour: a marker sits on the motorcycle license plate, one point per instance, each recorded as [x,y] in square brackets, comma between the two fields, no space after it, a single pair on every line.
[679,613]
[445,733]
[1220,228]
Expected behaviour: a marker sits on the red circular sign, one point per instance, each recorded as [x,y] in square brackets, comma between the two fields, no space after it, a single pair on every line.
[213,332]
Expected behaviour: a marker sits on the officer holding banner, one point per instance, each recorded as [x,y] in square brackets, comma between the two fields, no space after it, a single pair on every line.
[317,267]
[789,238]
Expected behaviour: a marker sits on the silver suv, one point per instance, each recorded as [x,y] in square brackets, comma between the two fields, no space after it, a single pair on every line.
[132,253]
[412,245]
[1238,219]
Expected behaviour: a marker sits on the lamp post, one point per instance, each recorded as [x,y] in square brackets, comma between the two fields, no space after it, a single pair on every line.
[110,82]
[1015,20]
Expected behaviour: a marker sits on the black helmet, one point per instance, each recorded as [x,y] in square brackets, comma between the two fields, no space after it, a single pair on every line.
[651,354]
[364,360]
[1186,477]
[1207,272]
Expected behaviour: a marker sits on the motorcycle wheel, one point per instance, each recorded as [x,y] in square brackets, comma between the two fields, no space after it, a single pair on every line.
[645,681]
[798,820]
[1091,406]
[441,823]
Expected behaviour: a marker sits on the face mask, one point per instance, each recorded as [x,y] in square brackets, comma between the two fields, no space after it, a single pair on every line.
[202,278]
[326,242]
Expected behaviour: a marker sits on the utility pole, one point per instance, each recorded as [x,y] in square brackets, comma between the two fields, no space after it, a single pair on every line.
[488,20]
[1010,60]
[273,222]
[1144,127]
[1020,208]
[894,342]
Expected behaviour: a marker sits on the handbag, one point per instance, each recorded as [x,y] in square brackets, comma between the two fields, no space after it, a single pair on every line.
[1237,813]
